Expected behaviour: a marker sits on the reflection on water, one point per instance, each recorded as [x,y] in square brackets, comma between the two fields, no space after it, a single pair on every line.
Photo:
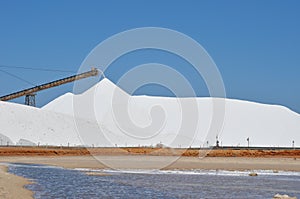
[54,182]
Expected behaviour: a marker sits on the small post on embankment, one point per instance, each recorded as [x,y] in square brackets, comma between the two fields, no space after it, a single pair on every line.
[293,144]
[248,140]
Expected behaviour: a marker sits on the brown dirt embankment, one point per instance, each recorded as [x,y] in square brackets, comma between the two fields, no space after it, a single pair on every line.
[75,151]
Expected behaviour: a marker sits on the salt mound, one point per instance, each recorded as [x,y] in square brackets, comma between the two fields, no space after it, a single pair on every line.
[32,126]
[265,125]
[5,141]
[100,117]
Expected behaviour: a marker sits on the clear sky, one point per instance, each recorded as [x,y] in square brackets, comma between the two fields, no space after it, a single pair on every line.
[255,44]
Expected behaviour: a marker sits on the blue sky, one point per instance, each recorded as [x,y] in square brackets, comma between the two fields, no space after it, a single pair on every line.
[255,44]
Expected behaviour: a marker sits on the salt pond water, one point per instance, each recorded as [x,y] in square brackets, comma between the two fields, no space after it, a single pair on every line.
[55,182]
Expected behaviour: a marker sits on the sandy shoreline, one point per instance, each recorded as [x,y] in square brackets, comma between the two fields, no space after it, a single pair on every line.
[155,162]
[12,186]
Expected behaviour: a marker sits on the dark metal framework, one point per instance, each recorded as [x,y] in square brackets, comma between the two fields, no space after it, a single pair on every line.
[30,93]
[30,99]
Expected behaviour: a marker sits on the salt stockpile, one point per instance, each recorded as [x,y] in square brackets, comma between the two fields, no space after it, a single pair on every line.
[25,125]
[32,126]
[54,124]
[265,125]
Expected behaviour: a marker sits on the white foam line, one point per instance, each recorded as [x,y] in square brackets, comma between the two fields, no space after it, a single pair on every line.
[33,166]
[196,172]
